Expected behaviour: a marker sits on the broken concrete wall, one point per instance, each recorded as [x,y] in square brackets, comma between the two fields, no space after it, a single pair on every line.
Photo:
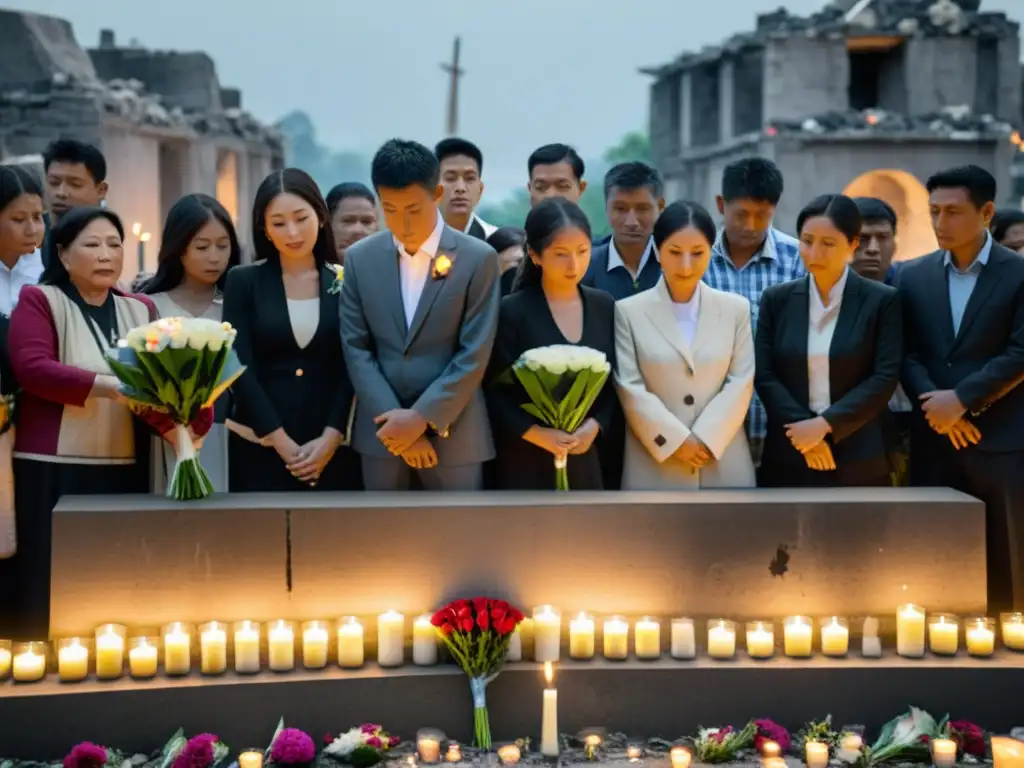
[36,48]
[941,72]
[664,118]
[28,122]
[705,96]
[748,91]
[804,76]
[185,80]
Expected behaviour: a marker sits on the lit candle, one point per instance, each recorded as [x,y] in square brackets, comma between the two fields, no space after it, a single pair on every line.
[797,636]
[647,638]
[910,631]
[247,647]
[29,662]
[5,658]
[581,637]
[391,639]
[943,753]
[547,634]
[592,742]
[633,752]
[981,636]
[515,645]
[760,640]
[177,649]
[281,646]
[1007,752]
[943,634]
[424,641]
[871,646]
[314,645]
[509,754]
[350,643]
[684,642]
[110,651]
[72,660]
[213,648]
[835,636]
[816,754]
[771,749]
[1013,630]
[143,657]
[851,742]
[721,639]
[429,748]
[549,719]
[250,759]
[616,638]
[680,757]
[454,754]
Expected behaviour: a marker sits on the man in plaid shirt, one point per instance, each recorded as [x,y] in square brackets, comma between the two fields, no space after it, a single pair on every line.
[750,255]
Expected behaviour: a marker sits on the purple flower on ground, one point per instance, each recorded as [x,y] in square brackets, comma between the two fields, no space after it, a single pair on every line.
[769,730]
[374,742]
[197,753]
[292,747]
[86,755]
[393,741]
[369,728]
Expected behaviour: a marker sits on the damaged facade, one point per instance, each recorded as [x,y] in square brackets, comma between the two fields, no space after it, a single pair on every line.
[866,96]
[162,119]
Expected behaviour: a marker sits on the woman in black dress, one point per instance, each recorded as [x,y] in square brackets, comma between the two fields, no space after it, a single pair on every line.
[292,405]
[549,307]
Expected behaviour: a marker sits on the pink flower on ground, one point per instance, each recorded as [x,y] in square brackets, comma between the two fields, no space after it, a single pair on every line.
[720,735]
[769,730]
[369,728]
[292,747]
[197,753]
[86,755]
[393,741]
[374,742]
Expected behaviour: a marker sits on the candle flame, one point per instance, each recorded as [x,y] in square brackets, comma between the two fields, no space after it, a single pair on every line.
[549,673]
[136,228]
[144,237]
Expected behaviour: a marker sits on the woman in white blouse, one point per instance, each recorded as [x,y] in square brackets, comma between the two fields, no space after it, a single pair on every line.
[685,368]
[829,351]
[198,247]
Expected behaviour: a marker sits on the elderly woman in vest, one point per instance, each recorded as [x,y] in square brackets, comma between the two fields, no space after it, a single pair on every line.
[75,434]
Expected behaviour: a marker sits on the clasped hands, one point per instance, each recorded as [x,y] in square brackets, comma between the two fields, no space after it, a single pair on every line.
[307,462]
[945,414]
[694,453]
[808,437]
[403,432]
[562,444]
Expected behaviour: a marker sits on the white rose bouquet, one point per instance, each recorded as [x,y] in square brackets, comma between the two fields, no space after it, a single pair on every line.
[178,366]
[562,381]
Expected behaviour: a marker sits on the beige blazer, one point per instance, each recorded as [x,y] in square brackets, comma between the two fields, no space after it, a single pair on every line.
[669,390]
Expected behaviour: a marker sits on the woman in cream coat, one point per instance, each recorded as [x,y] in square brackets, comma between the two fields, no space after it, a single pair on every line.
[685,371]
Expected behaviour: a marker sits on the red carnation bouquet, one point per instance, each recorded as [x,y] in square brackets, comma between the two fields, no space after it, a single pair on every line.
[477,633]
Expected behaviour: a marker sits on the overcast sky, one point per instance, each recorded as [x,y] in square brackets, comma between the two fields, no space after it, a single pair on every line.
[537,71]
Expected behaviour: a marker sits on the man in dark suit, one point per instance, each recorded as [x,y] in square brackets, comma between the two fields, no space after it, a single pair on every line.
[627,262]
[964,332]
[462,166]
[76,175]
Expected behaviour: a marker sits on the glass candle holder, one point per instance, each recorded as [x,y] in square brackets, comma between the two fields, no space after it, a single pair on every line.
[835,636]
[816,754]
[110,649]
[798,636]
[5,658]
[143,657]
[281,646]
[213,648]
[647,638]
[72,659]
[721,638]
[944,753]
[509,754]
[943,634]
[684,639]
[454,753]
[760,639]
[870,644]
[246,642]
[615,638]
[428,745]
[581,637]
[28,663]
[910,631]
[315,641]
[980,634]
[547,633]
[177,648]
[1012,626]
[770,749]
[391,639]
[251,758]
[351,649]
[634,752]
[680,757]
[515,644]
[424,641]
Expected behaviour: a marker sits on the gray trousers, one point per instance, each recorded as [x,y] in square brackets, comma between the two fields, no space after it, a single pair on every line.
[393,474]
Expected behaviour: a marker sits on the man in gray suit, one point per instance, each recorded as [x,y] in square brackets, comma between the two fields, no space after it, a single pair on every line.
[419,311]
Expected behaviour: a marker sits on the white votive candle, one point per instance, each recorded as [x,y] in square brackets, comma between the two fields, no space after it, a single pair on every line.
[1012,625]
[680,757]
[424,641]
[547,633]
[281,646]
[910,631]
[515,645]
[760,640]
[351,647]
[943,753]
[816,754]
[177,649]
[391,639]
[797,636]
[835,636]
[721,639]
[616,638]
[143,657]
[429,749]
[110,642]
[29,662]
[509,754]
[247,647]
[581,637]
[5,658]
[549,718]
[315,639]
[72,660]
[647,638]
[684,641]
[213,648]
[251,759]
[981,636]
[943,634]
[870,644]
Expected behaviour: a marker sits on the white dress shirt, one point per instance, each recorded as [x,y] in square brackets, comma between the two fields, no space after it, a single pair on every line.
[615,258]
[820,329]
[686,316]
[414,270]
[27,271]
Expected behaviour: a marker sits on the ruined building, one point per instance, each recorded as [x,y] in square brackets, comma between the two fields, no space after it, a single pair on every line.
[162,119]
[867,96]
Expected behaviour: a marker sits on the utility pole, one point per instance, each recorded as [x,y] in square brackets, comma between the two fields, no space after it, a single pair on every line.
[454,73]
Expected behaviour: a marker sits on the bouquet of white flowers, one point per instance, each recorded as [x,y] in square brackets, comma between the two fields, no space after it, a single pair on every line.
[562,381]
[177,366]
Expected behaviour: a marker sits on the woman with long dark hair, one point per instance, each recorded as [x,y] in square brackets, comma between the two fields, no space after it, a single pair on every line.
[509,242]
[293,403]
[198,247]
[549,306]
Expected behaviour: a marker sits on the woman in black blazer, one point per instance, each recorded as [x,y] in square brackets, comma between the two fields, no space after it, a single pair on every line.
[292,405]
[826,367]
[549,307]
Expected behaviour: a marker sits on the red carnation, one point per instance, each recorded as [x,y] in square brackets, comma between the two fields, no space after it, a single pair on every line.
[393,741]
[86,755]
[969,737]
[719,736]
[483,620]
[328,739]
[375,742]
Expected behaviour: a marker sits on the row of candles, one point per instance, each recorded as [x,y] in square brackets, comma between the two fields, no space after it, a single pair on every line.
[916,632]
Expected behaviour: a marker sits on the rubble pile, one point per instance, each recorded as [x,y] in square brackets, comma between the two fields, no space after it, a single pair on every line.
[952,122]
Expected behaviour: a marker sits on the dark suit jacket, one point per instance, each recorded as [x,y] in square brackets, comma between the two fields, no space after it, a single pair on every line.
[619,283]
[984,362]
[864,366]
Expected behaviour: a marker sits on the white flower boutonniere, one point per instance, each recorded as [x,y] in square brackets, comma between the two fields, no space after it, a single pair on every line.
[442,266]
[339,278]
